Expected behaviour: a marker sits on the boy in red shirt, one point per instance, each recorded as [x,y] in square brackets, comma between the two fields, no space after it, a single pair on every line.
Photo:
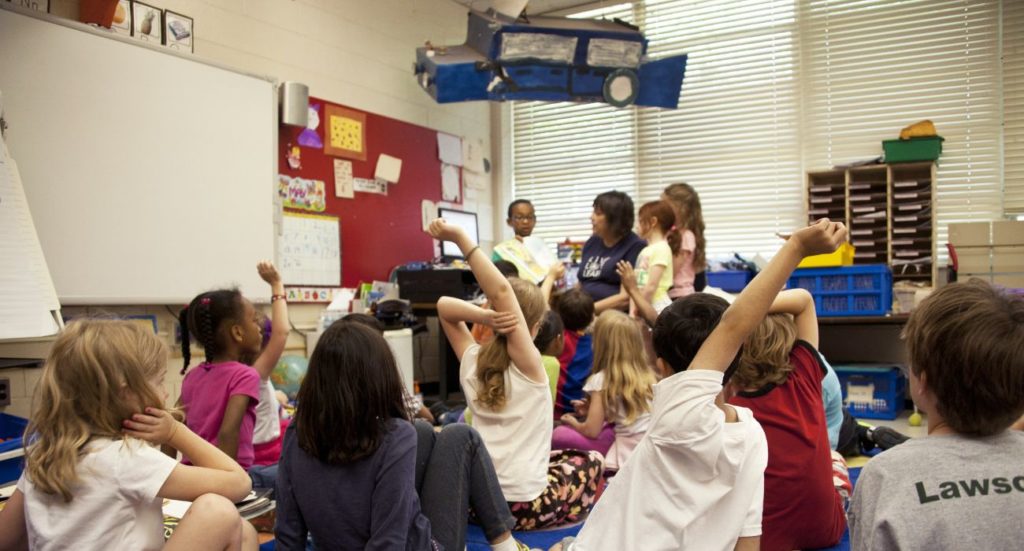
[806,484]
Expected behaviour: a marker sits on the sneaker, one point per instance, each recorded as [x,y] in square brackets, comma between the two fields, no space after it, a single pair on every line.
[886,438]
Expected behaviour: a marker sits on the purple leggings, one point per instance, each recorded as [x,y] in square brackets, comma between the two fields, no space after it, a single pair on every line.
[565,437]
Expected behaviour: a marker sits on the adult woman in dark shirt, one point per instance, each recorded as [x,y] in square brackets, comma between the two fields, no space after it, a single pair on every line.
[613,240]
[356,474]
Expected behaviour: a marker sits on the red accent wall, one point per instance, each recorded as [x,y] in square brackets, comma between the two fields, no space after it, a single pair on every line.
[377,232]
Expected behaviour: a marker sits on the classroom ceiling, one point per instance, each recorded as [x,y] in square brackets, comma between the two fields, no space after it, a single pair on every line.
[537,7]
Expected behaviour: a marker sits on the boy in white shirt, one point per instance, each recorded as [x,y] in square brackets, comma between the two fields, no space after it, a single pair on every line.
[696,481]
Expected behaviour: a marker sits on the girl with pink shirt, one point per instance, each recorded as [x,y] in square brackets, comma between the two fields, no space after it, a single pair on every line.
[220,394]
[689,263]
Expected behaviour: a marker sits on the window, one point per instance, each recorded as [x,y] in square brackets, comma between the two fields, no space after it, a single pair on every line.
[778,87]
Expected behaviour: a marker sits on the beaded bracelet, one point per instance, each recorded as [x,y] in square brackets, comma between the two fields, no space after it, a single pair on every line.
[278,297]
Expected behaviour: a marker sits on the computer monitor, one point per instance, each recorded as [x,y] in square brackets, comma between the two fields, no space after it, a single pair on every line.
[466,221]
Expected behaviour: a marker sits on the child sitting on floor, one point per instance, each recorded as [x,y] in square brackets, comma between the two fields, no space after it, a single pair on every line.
[696,480]
[507,391]
[93,477]
[576,309]
[779,380]
[619,388]
[962,486]
[356,474]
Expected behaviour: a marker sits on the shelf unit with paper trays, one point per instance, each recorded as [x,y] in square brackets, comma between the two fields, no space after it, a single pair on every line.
[912,228]
[889,210]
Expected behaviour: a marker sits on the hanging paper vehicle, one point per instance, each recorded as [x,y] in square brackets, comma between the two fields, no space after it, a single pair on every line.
[550,59]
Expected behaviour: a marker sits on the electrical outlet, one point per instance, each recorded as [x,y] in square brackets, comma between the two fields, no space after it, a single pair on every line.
[5,392]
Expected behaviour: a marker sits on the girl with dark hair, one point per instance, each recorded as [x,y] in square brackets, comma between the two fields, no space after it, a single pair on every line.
[356,474]
[613,241]
[220,394]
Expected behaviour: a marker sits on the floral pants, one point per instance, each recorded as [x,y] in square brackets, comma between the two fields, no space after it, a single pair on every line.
[574,477]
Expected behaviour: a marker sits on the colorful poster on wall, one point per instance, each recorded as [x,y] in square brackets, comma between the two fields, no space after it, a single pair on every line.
[345,133]
[300,193]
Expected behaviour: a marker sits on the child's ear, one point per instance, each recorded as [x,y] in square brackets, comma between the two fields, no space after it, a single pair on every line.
[236,332]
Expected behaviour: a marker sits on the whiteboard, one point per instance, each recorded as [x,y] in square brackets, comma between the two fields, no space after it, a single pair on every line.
[150,174]
[26,290]
[310,250]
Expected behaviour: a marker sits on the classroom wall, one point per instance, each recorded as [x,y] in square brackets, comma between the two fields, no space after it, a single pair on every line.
[353,52]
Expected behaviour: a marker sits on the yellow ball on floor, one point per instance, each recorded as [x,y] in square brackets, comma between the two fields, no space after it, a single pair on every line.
[915,419]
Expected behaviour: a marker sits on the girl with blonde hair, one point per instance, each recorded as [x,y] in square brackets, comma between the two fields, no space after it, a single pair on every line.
[620,387]
[508,394]
[93,476]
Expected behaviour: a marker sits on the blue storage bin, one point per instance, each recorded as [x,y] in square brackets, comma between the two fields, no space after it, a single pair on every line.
[864,290]
[732,281]
[12,453]
[872,391]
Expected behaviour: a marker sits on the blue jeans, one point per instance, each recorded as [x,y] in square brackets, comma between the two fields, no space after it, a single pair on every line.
[263,476]
[453,473]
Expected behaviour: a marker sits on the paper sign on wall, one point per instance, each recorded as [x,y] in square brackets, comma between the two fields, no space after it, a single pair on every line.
[388,168]
[450,187]
[473,155]
[449,149]
[475,180]
[428,212]
[300,193]
[343,179]
[365,185]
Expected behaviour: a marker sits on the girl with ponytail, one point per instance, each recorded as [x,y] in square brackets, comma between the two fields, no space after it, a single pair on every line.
[507,391]
[220,394]
[649,283]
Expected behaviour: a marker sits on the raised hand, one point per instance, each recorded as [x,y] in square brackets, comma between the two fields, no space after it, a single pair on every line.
[557,271]
[443,230]
[268,272]
[155,425]
[626,274]
[822,237]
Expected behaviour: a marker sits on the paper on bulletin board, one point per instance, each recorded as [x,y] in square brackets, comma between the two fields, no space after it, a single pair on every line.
[309,250]
[473,155]
[449,149]
[388,168]
[450,185]
[300,193]
[428,212]
[365,185]
[475,180]
[343,179]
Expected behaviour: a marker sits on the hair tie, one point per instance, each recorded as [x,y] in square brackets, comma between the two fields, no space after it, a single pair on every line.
[205,301]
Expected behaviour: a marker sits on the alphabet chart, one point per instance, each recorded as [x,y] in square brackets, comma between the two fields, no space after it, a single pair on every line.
[309,250]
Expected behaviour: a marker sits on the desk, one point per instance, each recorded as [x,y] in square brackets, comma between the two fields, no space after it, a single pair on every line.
[863,339]
[448,368]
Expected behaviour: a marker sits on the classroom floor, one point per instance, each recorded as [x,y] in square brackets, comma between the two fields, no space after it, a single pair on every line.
[545,538]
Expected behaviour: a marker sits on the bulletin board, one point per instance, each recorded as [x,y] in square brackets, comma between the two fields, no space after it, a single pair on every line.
[378,232]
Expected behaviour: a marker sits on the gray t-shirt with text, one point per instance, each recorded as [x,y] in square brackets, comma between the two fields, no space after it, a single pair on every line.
[942,492]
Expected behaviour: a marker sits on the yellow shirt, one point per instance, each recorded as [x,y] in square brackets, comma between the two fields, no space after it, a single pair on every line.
[658,254]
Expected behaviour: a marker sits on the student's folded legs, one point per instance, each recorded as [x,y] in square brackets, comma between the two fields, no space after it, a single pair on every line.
[454,473]
[212,522]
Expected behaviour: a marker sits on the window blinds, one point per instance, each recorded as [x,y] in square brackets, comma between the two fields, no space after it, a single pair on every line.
[778,87]
[1013,106]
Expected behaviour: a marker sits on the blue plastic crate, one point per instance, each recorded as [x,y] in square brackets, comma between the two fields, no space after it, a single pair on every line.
[732,281]
[12,453]
[864,290]
[872,391]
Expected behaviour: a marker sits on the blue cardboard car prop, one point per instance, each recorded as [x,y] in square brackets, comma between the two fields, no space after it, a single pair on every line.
[550,59]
